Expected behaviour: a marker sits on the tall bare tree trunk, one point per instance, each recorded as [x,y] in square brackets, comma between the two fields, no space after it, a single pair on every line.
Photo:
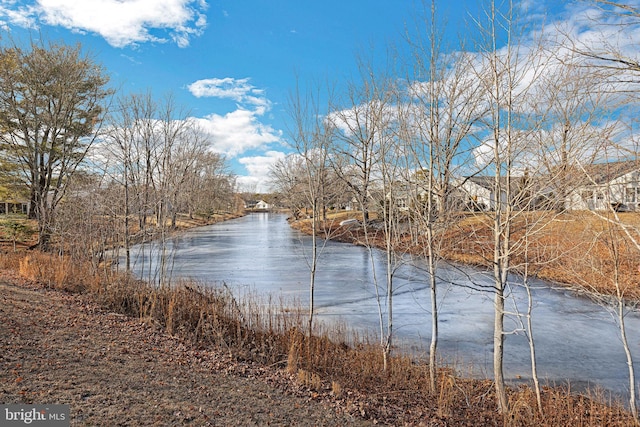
[433,346]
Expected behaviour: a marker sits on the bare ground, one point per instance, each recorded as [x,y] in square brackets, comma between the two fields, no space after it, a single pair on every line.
[117,371]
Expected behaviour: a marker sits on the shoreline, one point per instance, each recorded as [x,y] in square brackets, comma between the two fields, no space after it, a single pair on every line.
[115,362]
[116,370]
[596,292]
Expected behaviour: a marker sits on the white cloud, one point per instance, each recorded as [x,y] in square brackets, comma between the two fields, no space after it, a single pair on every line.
[241,130]
[238,90]
[121,23]
[258,168]
[21,15]
[238,131]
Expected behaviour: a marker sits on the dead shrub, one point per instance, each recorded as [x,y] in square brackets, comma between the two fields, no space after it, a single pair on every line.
[58,272]
[294,355]
[446,396]
[11,261]
[125,296]
[309,379]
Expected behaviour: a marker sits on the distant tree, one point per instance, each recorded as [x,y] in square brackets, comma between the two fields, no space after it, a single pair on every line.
[128,153]
[51,101]
[288,179]
[208,187]
[359,121]
[159,159]
[575,116]
[311,136]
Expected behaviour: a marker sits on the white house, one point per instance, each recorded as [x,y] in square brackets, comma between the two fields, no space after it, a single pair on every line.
[479,192]
[524,192]
[471,193]
[606,185]
[262,205]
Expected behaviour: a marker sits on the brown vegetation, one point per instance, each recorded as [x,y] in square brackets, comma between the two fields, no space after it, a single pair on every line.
[572,249]
[19,233]
[325,367]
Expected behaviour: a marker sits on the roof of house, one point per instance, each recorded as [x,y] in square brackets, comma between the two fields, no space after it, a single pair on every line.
[488,182]
[601,173]
[596,173]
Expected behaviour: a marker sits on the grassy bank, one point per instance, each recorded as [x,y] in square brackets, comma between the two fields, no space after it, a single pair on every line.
[578,250]
[17,232]
[271,334]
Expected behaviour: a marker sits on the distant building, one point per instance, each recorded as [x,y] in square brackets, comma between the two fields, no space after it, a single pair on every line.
[480,193]
[606,185]
[261,205]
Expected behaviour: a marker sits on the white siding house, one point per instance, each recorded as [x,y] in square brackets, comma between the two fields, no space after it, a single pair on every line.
[607,185]
[14,206]
[480,194]
[262,205]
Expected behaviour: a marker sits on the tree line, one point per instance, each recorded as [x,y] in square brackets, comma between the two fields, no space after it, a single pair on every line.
[100,169]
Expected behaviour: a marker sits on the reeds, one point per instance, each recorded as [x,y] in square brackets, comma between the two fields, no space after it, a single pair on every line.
[272,332]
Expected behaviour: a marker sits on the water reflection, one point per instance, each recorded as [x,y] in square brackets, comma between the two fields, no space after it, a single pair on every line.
[577,341]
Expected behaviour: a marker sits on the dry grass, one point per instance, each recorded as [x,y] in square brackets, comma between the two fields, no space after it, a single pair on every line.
[262,331]
[574,248]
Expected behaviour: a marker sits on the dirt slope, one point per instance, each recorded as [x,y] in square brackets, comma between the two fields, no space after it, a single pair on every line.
[112,370]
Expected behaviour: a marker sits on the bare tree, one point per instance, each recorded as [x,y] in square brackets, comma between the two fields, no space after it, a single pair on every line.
[615,61]
[613,250]
[86,221]
[439,117]
[604,52]
[369,156]
[128,153]
[311,136]
[391,174]
[208,187]
[288,181]
[574,111]
[358,123]
[183,144]
[507,73]
[364,137]
[156,154]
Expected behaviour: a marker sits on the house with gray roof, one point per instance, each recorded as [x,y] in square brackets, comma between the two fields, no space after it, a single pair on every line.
[604,186]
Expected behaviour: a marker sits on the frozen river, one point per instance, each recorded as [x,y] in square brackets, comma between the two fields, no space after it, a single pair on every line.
[577,341]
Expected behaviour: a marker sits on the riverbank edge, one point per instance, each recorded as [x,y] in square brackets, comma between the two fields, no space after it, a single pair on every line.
[387,406]
[112,369]
[346,234]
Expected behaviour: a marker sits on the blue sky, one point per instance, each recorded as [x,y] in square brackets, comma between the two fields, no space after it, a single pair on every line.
[233,63]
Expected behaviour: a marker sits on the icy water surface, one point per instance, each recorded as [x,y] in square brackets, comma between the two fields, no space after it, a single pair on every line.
[577,341]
